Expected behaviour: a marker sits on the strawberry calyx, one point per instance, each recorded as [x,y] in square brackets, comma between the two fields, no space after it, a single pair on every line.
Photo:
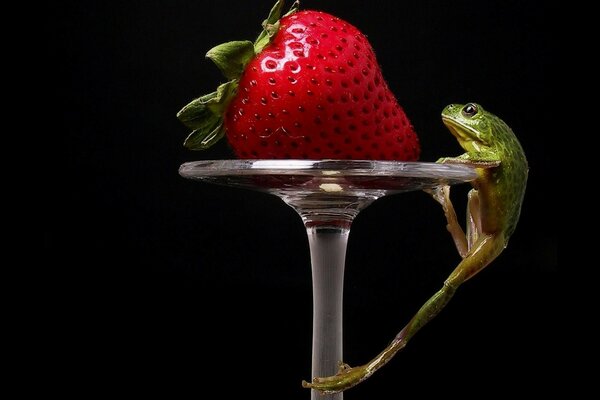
[204,115]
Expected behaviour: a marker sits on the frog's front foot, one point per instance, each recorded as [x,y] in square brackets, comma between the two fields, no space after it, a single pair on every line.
[346,378]
[441,194]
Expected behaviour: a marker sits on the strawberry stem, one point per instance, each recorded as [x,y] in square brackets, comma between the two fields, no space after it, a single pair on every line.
[269,28]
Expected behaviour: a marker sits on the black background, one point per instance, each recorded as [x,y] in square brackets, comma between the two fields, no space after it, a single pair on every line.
[164,277]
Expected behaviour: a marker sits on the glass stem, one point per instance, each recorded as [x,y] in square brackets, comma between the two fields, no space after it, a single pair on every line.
[328,254]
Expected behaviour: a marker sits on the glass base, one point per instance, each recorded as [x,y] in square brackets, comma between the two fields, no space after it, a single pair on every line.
[328,195]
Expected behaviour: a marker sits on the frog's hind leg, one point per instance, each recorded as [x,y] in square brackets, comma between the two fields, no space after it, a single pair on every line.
[484,250]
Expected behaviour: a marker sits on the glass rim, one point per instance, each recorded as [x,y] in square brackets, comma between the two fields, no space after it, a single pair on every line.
[326,167]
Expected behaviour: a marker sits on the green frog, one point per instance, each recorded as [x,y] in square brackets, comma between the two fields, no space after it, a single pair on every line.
[493,210]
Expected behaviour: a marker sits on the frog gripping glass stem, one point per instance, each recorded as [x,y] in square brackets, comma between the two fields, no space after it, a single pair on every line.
[493,209]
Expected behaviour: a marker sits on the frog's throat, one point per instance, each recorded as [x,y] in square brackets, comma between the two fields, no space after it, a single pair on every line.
[468,138]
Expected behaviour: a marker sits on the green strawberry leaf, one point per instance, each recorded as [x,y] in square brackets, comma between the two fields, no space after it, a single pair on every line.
[197,114]
[225,93]
[205,116]
[203,138]
[231,57]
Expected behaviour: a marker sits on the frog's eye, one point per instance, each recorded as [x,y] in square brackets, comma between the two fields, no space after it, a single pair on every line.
[469,110]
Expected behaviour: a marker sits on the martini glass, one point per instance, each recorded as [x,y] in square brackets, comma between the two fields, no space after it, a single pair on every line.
[328,195]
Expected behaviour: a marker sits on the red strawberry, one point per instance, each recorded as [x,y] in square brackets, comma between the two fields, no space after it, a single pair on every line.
[309,87]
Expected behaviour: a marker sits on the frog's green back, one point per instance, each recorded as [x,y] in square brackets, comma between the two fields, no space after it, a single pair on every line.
[511,175]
